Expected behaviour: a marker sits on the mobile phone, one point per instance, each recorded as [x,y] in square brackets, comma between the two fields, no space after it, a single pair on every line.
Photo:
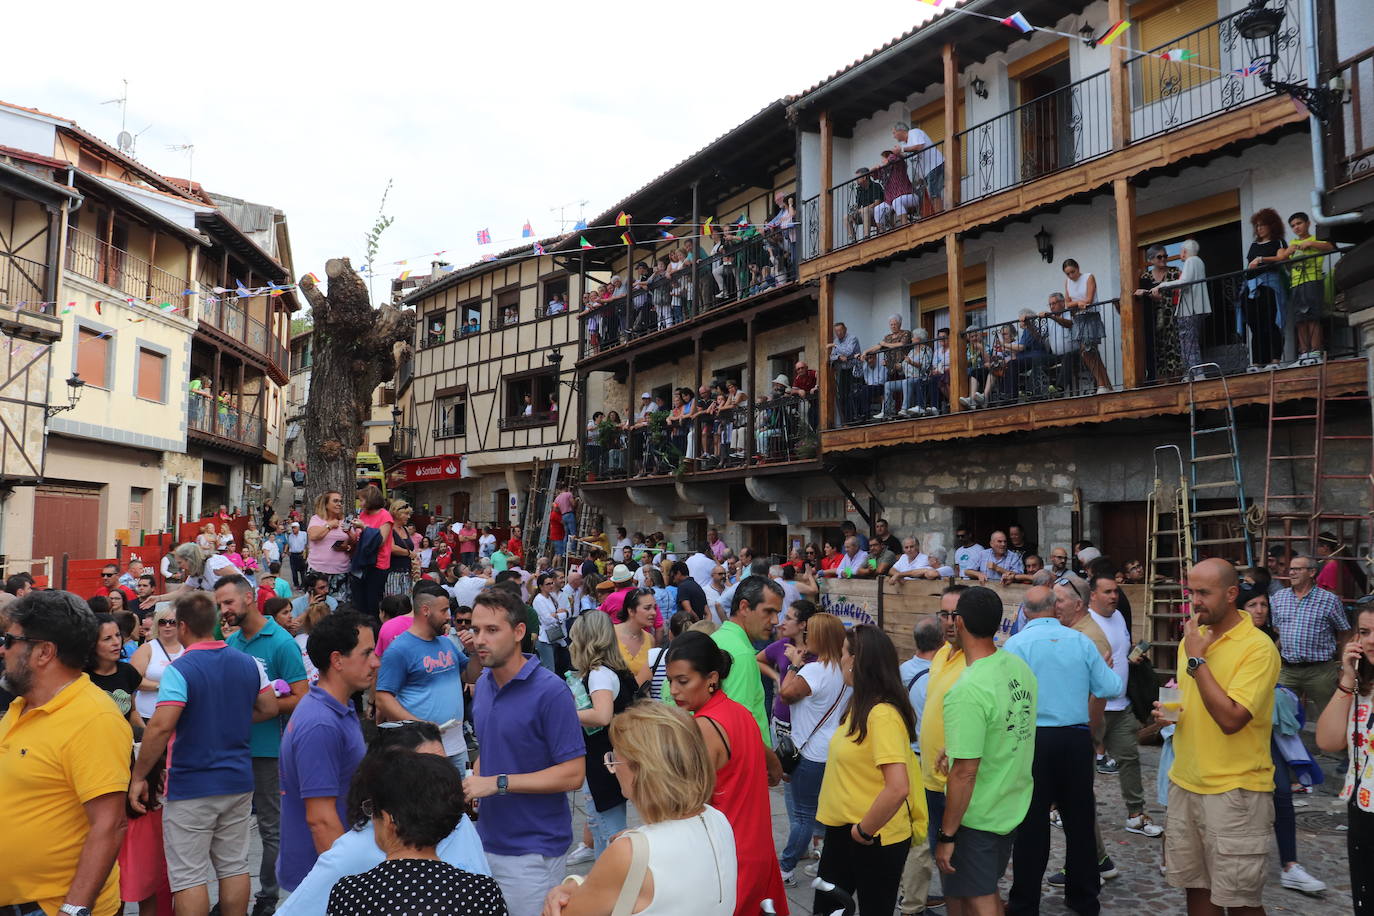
[1140,649]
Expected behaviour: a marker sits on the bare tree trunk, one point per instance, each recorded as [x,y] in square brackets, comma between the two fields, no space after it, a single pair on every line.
[353,353]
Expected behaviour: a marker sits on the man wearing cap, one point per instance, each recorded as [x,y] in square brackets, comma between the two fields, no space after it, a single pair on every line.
[620,584]
[296,542]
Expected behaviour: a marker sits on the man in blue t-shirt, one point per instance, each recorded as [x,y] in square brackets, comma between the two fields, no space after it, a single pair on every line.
[422,672]
[264,639]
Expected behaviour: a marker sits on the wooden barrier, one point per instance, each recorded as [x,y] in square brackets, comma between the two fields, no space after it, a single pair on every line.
[897,607]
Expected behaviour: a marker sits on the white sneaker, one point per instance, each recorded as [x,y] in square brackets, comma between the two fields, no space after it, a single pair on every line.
[1142,825]
[968,403]
[1055,820]
[979,398]
[583,853]
[932,411]
[789,878]
[1296,878]
[1103,389]
[813,867]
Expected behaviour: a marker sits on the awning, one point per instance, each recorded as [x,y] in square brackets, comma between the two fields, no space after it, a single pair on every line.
[424,470]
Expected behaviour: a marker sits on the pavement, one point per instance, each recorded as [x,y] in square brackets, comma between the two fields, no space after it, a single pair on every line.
[1321,850]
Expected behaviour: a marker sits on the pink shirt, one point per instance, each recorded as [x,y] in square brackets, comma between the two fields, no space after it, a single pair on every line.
[614,603]
[563,502]
[322,555]
[391,629]
[718,549]
[377,520]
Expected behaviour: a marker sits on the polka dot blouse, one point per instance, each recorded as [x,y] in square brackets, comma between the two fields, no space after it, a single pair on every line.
[416,887]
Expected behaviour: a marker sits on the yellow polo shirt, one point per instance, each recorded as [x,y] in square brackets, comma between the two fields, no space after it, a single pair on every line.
[945,669]
[54,759]
[1246,664]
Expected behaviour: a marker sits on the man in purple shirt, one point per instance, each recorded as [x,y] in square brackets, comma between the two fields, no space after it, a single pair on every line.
[323,744]
[532,752]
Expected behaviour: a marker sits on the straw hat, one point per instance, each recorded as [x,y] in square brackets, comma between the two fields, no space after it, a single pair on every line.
[621,575]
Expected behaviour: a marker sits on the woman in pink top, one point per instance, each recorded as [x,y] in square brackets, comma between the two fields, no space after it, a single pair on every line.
[324,535]
[374,515]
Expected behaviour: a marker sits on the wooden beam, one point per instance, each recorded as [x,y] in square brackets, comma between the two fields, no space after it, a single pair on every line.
[1132,319]
[152,262]
[827,181]
[824,327]
[953,159]
[1119,86]
[958,358]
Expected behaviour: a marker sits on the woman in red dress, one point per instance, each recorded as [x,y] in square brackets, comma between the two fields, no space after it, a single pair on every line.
[696,668]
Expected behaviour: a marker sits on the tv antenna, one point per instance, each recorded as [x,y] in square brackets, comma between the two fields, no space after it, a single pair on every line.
[190,150]
[562,220]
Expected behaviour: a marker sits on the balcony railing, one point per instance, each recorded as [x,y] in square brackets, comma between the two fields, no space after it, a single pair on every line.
[811,227]
[450,431]
[238,324]
[527,421]
[889,196]
[96,260]
[403,442]
[711,440]
[1055,131]
[1354,140]
[749,261]
[224,421]
[22,283]
[910,380]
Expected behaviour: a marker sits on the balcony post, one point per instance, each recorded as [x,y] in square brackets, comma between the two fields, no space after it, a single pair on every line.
[51,267]
[825,372]
[152,264]
[212,403]
[695,235]
[238,399]
[827,180]
[953,159]
[751,368]
[958,321]
[1132,321]
[1119,84]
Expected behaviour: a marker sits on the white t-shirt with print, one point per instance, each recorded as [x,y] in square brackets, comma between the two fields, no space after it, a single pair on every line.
[967,558]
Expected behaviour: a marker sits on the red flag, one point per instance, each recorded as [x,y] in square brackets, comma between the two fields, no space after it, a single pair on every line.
[97,307]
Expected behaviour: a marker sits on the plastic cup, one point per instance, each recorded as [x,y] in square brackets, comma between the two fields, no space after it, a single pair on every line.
[1171,702]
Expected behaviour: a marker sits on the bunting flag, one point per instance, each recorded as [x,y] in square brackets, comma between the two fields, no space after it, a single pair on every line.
[314,279]
[706,226]
[1115,32]
[483,237]
[583,241]
[405,275]
[1017,21]
[166,307]
[623,219]
[931,2]
[97,308]
[488,257]
[579,225]
[667,221]
[448,268]
[243,292]
[1178,54]
[666,234]
[539,249]
[66,310]
[1255,68]
[625,237]
[527,231]
[437,253]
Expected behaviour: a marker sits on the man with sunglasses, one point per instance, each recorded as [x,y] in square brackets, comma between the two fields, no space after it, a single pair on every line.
[109,578]
[64,752]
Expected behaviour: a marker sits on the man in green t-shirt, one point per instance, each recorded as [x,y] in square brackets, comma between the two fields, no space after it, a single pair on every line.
[1307,278]
[989,746]
[753,614]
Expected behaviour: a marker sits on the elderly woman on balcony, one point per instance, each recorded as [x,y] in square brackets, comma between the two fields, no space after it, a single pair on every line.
[1161,340]
[1194,305]
[920,389]
[892,351]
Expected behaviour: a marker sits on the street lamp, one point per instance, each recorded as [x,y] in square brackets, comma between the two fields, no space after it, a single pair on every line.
[1262,28]
[74,386]
[1044,243]
[555,359]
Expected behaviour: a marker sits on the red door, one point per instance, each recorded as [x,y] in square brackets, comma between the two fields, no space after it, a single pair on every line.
[66,520]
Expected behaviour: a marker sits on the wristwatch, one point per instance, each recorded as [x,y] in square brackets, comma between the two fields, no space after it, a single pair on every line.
[71,909]
[866,837]
[942,837]
[1194,663]
[502,784]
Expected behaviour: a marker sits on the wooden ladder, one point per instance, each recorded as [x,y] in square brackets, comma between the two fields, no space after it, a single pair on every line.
[1170,555]
[1215,469]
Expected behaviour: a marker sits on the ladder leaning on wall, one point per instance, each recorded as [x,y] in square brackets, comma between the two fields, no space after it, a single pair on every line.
[1170,541]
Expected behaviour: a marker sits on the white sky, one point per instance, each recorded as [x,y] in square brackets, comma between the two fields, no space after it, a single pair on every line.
[484,115]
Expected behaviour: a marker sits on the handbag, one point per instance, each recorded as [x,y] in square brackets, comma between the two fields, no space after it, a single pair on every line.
[789,754]
[645,691]
[634,878]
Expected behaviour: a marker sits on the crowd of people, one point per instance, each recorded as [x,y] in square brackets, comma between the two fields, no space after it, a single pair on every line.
[384,772]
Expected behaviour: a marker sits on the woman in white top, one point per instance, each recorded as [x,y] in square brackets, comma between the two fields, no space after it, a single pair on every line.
[1194,305]
[1080,298]
[682,861]
[201,571]
[545,604]
[817,694]
[153,657]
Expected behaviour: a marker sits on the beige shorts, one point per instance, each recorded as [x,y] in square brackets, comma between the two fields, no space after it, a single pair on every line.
[1220,843]
[205,839]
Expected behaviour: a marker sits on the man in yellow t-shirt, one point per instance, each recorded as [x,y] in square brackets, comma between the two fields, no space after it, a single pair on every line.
[945,669]
[1221,810]
[64,763]
[1307,278]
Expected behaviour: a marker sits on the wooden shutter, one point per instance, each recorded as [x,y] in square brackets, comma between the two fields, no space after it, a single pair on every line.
[93,357]
[932,294]
[1165,24]
[152,375]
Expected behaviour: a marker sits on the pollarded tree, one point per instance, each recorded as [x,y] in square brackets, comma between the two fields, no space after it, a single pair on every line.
[353,346]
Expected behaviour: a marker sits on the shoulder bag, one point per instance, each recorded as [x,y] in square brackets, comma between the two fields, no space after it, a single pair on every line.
[789,754]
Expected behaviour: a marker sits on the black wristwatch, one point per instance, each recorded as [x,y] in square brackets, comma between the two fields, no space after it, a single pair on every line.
[942,837]
[1194,663]
[866,837]
[502,784]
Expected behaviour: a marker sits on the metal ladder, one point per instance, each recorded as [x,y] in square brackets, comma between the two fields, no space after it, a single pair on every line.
[1170,554]
[1216,472]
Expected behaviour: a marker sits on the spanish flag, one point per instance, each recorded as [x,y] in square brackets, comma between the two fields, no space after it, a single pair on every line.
[1114,32]
[706,226]
[623,219]
[625,237]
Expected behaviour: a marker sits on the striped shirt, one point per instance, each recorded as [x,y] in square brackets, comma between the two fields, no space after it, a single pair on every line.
[1308,625]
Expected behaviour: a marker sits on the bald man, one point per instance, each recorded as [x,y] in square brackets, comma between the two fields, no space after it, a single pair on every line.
[1221,810]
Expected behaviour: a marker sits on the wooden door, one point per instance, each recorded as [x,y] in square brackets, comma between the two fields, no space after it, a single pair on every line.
[1124,528]
[1045,116]
[66,520]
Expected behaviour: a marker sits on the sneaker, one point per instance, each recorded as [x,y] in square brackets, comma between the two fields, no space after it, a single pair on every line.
[789,878]
[1300,789]
[583,853]
[968,403]
[267,907]
[1107,766]
[812,868]
[934,902]
[880,416]
[933,412]
[979,398]
[1055,820]
[1107,868]
[1061,878]
[1251,370]
[1142,825]
[1103,389]
[1296,878]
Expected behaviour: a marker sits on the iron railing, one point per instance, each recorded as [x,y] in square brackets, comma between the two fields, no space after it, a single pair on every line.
[450,430]
[223,420]
[903,381]
[403,441]
[1045,355]
[1353,132]
[1244,321]
[97,260]
[231,318]
[1168,93]
[22,283]
[811,228]
[889,196]
[1055,131]
[526,421]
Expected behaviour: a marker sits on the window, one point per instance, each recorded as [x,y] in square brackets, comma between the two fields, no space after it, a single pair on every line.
[507,307]
[451,416]
[150,382]
[435,329]
[472,318]
[94,356]
[302,355]
[729,374]
[553,300]
[930,298]
[530,399]
[783,364]
[1176,23]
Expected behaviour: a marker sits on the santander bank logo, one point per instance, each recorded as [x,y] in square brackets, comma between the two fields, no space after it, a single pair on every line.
[450,468]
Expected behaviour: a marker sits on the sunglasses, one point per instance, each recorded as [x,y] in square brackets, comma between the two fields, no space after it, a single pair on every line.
[8,640]
[611,761]
[167,622]
[398,723]
[1073,584]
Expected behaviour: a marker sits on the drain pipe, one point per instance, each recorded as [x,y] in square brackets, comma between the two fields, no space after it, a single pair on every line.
[1316,128]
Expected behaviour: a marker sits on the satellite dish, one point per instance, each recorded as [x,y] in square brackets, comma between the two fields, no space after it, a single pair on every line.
[125,141]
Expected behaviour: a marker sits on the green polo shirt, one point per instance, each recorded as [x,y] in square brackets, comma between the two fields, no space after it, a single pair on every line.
[281,656]
[744,685]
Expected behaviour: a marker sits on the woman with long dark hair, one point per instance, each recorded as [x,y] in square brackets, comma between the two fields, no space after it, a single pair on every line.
[635,631]
[1266,293]
[696,669]
[870,814]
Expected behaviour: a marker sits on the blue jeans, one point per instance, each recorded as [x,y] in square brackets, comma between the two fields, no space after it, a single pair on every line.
[603,824]
[545,652]
[569,530]
[803,791]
